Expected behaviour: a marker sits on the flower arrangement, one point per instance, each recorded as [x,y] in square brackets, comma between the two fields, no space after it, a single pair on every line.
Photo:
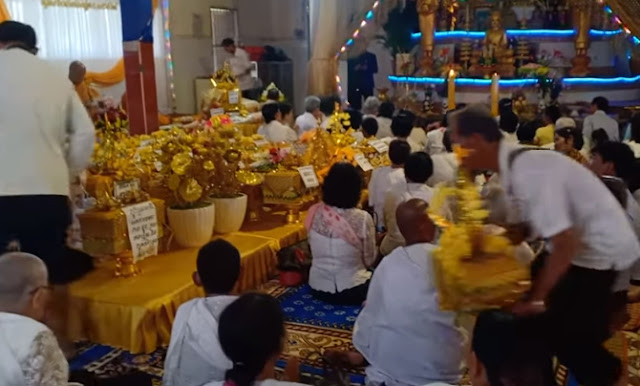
[272,89]
[475,266]
[548,82]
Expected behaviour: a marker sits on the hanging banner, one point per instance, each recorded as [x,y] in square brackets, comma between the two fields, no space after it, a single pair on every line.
[137,20]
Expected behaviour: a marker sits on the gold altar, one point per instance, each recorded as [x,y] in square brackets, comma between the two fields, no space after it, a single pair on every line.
[136,313]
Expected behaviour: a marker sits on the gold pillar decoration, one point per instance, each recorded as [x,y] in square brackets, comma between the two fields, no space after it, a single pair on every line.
[581,16]
[452,7]
[427,17]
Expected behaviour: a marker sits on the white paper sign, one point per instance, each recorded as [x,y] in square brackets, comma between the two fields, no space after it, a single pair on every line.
[122,187]
[218,111]
[380,146]
[260,142]
[142,224]
[309,177]
[234,97]
[363,162]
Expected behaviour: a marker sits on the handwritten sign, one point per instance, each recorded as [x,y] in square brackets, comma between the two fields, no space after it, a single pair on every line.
[309,177]
[142,224]
[363,162]
[380,146]
[123,187]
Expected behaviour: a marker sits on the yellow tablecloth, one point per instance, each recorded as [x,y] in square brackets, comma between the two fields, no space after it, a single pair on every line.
[137,313]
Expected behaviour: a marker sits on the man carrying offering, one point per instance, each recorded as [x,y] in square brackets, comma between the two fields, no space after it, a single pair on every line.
[590,239]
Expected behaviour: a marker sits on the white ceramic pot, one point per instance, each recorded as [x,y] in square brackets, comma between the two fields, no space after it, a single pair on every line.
[192,228]
[230,213]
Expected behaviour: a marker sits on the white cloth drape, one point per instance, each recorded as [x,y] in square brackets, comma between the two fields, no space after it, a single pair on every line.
[93,36]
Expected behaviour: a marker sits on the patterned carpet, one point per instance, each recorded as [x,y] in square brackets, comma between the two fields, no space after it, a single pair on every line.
[312,327]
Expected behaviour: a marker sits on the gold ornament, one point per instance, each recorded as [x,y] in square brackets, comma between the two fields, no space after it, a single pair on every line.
[190,190]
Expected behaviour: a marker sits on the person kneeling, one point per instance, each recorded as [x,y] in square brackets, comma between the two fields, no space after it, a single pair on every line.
[402,333]
[195,356]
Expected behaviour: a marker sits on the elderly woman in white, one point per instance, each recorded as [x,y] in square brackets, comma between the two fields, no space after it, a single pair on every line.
[342,240]
[29,352]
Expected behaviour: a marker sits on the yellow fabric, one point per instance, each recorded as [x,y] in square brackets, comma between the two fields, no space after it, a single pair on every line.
[544,135]
[4,12]
[136,313]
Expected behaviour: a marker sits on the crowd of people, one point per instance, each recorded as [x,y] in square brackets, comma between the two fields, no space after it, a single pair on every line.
[582,199]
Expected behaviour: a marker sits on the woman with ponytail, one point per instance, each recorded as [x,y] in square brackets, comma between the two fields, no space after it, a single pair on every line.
[252,335]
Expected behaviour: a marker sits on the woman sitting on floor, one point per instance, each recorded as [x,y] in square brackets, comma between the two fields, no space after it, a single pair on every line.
[252,336]
[342,240]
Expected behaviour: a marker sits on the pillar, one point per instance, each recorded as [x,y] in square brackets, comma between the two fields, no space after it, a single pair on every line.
[139,66]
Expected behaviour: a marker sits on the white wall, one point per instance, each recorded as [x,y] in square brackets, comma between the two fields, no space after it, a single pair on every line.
[191,45]
[282,24]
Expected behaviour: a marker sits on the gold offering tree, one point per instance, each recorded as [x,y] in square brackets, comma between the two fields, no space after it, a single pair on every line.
[476,268]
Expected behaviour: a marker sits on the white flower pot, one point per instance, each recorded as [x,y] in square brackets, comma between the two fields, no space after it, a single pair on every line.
[192,228]
[230,213]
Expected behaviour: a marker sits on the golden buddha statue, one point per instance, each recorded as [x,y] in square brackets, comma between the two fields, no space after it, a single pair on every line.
[496,47]
[427,17]
[582,13]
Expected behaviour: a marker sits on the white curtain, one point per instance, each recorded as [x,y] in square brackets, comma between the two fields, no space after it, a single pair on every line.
[93,36]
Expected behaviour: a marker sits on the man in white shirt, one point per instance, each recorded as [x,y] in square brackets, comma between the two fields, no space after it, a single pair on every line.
[273,130]
[385,115]
[46,140]
[386,176]
[417,170]
[599,120]
[195,356]
[240,63]
[401,127]
[312,117]
[591,239]
[404,336]
[29,351]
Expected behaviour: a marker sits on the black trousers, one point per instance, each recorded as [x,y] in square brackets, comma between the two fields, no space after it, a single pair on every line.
[357,94]
[350,297]
[577,323]
[39,224]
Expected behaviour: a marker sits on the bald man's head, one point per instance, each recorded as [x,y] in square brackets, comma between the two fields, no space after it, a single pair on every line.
[77,72]
[414,222]
[20,275]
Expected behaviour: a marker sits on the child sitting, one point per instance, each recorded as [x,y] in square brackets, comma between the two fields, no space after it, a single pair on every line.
[195,356]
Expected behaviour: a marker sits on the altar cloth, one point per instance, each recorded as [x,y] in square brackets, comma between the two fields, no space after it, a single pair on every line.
[136,313]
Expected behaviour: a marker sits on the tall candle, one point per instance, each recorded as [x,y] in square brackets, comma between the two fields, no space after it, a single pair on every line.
[495,94]
[452,90]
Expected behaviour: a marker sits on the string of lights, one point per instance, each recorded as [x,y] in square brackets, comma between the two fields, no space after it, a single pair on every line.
[617,20]
[363,23]
[617,81]
[168,55]
[515,33]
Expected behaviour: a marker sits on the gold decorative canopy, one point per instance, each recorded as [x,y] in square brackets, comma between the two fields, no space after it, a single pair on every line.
[85,4]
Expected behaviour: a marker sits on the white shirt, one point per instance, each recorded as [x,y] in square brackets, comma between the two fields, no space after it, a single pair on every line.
[382,179]
[267,382]
[510,137]
[600,120]
[240,64]
[553,193]
[275,131]
[195,355]
[46,135]
[434,141]
[445,169]
[635,147]
[401,331]
[397,195]
[384,128]
[419,136]
[338,265]
[29,353]
[306,122]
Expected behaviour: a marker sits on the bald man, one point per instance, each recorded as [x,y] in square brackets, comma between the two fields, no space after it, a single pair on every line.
[29,351]
[401,331]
